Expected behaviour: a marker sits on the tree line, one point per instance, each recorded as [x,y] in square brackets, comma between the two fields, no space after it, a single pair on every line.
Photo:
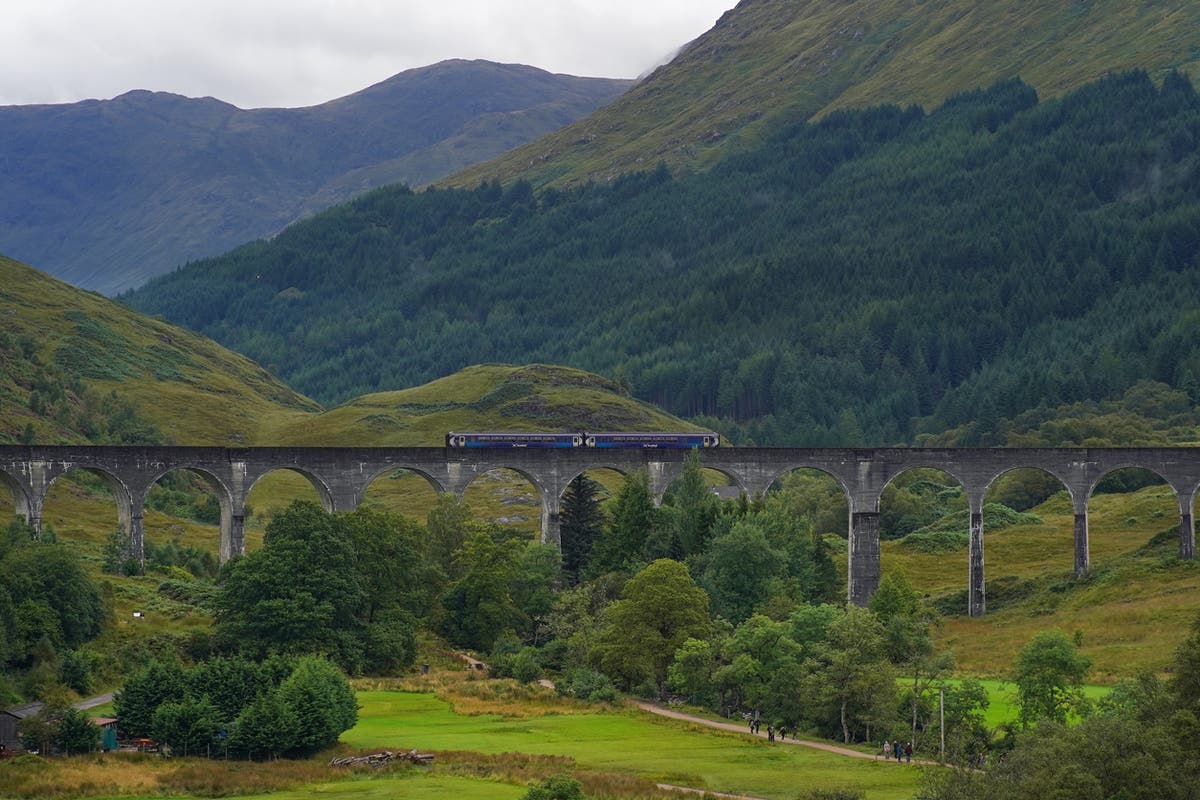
[1139,741]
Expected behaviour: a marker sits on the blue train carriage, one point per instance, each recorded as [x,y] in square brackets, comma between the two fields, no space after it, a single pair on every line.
[513,439]
[665,439]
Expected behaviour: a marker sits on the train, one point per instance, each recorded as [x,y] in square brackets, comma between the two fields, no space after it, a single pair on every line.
[663,439]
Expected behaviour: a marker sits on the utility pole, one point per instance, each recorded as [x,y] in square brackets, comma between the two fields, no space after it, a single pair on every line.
[942,721]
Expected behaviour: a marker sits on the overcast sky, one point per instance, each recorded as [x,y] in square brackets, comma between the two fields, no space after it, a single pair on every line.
[256,53]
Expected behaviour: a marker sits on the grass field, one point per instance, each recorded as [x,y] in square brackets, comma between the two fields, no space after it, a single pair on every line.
[625,742]
[1002,700]
[777,62]
[617,753]
[485,754]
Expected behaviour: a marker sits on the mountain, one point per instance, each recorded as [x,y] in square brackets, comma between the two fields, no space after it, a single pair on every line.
[874,276]
[773,62]
[106,193]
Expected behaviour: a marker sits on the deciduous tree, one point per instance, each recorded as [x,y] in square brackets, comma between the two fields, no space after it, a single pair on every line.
[299,594]
[1049,674]
[321,699]
[660,609]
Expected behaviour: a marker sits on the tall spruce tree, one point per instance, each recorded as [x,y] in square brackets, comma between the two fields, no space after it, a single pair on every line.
[581,523]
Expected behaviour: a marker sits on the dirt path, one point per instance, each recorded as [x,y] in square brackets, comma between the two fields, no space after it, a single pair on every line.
[92,702]
[655,708]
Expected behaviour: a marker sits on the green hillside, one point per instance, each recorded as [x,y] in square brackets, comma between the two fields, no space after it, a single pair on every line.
[768,63]
[1131,610]
[867,279]
[77,367]
[492,397]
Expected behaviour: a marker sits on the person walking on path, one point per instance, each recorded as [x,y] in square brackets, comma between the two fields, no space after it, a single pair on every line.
[908,752]
[887,749]
[897,750]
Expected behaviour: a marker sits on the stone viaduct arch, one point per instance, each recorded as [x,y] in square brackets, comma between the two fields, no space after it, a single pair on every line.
[228,546]
[342,474]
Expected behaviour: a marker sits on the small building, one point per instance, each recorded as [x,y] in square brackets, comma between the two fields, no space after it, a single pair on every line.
[10,718]
[108,732]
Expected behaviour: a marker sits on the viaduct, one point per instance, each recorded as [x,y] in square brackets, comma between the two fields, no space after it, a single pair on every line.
[341,475]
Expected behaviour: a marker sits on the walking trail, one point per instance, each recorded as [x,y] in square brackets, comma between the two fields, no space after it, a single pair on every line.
[92,702]
[655,708]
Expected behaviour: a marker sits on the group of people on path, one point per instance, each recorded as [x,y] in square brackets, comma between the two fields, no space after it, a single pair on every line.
[900,751]
[772,731]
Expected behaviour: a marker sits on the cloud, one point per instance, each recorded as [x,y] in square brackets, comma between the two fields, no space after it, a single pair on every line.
[256,53]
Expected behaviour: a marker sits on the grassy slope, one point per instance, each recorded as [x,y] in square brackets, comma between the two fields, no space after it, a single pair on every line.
[484,397]
[770,61]
[192,389]
[1132,611]
[197,392]
[218,397]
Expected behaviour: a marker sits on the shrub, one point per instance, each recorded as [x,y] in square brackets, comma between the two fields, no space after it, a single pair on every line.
[189,727]
[589,685]
[556,787]
[266,726]
[76,733]
[525,666]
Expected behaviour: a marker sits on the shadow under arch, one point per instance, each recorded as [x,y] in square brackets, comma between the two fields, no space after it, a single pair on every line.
[810,487]
[1020,491]
[1024,519]
[792,469]
[506,503]
[1126,508]
[231,541]
[734,482]
[583,504]
[620,469]
[404,490]
[925,520]
[820,498]
[324,493]
[271,491]
[129,519]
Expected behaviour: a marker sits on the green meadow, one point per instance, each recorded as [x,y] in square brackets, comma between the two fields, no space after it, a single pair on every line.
[626,741]
[1002,700]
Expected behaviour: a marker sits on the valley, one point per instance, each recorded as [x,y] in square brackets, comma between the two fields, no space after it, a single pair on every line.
[883,226]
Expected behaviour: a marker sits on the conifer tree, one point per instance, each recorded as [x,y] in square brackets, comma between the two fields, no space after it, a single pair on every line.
[634,520]
[581,523]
